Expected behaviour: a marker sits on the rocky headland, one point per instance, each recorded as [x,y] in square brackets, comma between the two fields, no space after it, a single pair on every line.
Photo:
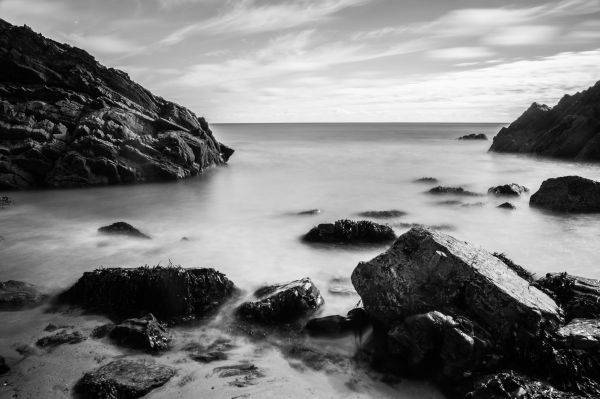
[68,121]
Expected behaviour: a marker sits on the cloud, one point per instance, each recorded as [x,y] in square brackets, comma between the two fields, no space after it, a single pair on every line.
[461,53]
[524,35]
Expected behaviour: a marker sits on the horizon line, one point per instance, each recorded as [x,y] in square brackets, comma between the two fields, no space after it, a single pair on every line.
[364,123]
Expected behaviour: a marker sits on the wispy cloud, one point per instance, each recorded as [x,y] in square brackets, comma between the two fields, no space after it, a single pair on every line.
[104,44]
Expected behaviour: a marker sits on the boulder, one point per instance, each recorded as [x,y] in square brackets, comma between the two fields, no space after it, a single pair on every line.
[122,228]
[17,295]
[425,270]
[568,194]
[506,205]
[332,326]
[169,293]
[392,213]
[350,232]
[580,334]
[3,367]
[578,296]
[474,136]
[124,378]
[452,190]
[60,338]
[512,189]
[282,303]
[145,333]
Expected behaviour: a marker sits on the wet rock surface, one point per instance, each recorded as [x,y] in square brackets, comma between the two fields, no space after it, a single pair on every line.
[17,295]
[512,189]
[282,303]
[169,293]
[452,190]
[350,232]
[122,228]
[474,136]
[60,338]
[68,121]
[580,334]
[124,379]
[570,129]
[568,194]
[145,333]
[578,296]
[392,213]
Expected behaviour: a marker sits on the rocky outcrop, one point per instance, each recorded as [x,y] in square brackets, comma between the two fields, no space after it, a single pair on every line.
[282,303]
[170,293]
[67,121]
[512,189]
[122,228]
[571,129]
[510,385]
[124,379]
[568,194]
[17,295]
[145,333]
[474,136]
[350,232]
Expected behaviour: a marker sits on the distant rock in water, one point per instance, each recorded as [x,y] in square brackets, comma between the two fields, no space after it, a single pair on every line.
[506,205]
[393,213]
[170,293]
[350,232]
[17,295]
[309,212]
[571,129]
[67,121]
[122,228]
[426,180]
[568,194]
[452,190]
[512,189]
[474,136]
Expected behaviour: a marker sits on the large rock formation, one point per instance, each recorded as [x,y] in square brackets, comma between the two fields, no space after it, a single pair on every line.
[568,194]
[67,121]
[571,129]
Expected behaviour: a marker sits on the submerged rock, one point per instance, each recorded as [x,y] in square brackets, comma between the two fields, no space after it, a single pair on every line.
[426,270]
[426,180]
[170,293]
[60,338]
[506,205]
[246,373]
[355,322]
[474,136]
[453,191]
[578,296]
[124,378]
[17,295]
[216,350]
[144,333]
[568,194]
[283,303]
[512,189]
[309,212]
[122,228]
[393,213]
[350,232]
[3,367]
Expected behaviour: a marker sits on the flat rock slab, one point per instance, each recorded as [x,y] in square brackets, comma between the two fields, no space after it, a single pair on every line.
[17,295]
[580,334]
[124,229]
[124,379]
[426,270]
[568,194]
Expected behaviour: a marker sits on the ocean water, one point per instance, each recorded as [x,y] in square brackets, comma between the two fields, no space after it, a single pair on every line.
[242,219]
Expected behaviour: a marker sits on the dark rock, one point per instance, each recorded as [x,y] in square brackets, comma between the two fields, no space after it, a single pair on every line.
[3,367]
[309,212]
[122,228]
[568,194]
[67,121]
[452,190]
[510,385]
[474,136]
[506,205]
[580,334]
[333,326]
[512,189]
[426,180]
[283,303]
[571,129]
[102,331]
[351,232]
[17,295]
[170,293]
[60,338]
[425,270]
[578,296]
[124,378]
[520,270]
[215,351]
[393,213]
[144,333]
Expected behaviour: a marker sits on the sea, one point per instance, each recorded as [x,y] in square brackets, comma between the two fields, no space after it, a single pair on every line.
[244,220]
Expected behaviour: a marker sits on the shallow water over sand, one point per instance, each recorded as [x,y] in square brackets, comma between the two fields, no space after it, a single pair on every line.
[241,219]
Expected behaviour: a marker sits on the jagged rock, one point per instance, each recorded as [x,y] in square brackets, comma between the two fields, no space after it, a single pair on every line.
[283,303]
[122,228]
[393,213]
[124,378]
[170,293]
[452,190]
[474,136]
[512,189]
[351,232]
[3,367]
[578,296]
[355,322]
[432,180]
[425,270]
[568,194]
[144,333]
[580,334]
[506,205]
[60,338]
[67,121]
[17,295]
[571,129]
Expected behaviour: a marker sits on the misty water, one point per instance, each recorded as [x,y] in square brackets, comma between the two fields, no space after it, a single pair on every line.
[242,220]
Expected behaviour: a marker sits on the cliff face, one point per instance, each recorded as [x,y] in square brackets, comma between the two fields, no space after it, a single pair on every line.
[571,129]
[67,121]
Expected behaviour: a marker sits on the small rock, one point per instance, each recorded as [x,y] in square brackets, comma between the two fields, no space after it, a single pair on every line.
[393,213]
[144,333]
[452,190]
[60,338]
[17,295]
[506,205]
[309,212]
[474,136]
[122,228]
[350,232]
[568,194]
[426,180]
[512,189]
[124,378]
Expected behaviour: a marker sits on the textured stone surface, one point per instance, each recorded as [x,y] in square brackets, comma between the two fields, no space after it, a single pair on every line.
[512,189]
[145,333]
[350,232]
[67,121]
[568,194]
[16,295]
[580,334]
[578,296]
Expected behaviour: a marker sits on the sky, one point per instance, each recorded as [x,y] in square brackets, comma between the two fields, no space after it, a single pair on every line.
[241,61]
